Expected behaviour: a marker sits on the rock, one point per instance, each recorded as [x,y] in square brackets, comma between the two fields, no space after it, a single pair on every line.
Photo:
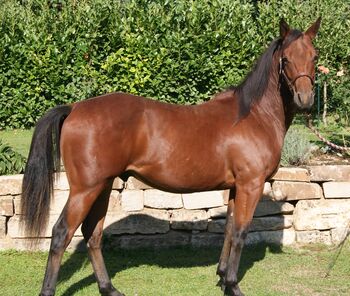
[158,199]
[338,234]
[170,239]
[115,202]
[264,208]
[217,225]
[258,224]
[285,190]
[6,205]
[313,236]
[267,193]
[134,184]
[203,200]
[336,189]
[279,237]
[218,212]
[14,229]
[206,239]
[226,196]
[59,201]
[189,219]
[148,221]
[132,200]
[321,173]
[271,223]
[11,185]
[17,205]
[118,184]
[321,214]
[292,174]
[2,226]
[61,182]
[269,207]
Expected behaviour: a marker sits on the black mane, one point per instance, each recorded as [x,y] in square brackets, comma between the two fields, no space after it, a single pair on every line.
[254,85]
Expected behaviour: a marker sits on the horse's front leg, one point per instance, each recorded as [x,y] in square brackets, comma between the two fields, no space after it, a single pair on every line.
[246,200]
[225,252]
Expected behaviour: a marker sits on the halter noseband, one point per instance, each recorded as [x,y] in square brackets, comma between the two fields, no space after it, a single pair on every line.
[291,83]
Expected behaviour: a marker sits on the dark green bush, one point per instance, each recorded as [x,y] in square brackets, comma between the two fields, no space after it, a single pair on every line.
[59,51]
[11,162]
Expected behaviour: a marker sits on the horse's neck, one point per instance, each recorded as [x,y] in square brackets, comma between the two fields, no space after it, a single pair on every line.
[276,105]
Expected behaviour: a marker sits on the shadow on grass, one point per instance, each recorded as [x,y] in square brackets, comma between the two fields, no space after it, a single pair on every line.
[175,257]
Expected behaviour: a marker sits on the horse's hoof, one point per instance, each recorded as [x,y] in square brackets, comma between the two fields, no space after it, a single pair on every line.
[48,292]
[233,291]
[113,293]
[110,291]
[221,284]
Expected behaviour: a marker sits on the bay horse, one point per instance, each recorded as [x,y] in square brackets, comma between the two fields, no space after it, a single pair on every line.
[233,141]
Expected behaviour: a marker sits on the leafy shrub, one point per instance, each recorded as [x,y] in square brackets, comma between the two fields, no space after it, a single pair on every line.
[56,52]
[11,162]
[296,149]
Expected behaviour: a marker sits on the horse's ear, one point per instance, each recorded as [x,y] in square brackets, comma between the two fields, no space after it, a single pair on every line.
[284,28]
[312,31]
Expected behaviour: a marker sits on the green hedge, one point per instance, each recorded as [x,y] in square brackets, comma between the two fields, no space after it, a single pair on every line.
[60,51]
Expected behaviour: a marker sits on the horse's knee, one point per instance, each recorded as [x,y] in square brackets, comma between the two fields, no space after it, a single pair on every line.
[92,237]
[95,241]
[59,235]
[240,234]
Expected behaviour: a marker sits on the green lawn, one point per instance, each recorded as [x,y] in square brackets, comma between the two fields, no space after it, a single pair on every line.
[18,139]
[184,271]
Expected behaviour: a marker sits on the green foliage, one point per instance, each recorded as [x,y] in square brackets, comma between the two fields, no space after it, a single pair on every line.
[11,162]
[296,149]
[56,52]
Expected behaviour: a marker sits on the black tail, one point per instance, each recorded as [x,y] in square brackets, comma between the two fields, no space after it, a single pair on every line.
[43,162]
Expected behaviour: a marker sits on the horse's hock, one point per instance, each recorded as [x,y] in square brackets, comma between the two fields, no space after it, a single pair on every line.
[300,205]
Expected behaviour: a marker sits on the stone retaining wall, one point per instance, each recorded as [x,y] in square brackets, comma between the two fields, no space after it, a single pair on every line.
[300,205]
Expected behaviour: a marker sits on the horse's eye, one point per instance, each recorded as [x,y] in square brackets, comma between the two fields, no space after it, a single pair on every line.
[285,60]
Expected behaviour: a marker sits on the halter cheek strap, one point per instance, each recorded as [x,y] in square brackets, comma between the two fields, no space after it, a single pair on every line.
[291,83]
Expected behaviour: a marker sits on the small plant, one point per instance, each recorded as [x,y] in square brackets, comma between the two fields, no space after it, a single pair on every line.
[296,149]
[11,162]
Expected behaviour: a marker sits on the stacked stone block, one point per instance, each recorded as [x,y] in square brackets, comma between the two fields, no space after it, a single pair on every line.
[299,205]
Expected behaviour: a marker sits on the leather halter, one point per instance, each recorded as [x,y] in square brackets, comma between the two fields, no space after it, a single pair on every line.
[291,83]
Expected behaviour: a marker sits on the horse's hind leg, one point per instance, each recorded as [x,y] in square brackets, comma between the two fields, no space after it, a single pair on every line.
[92,229]
[75,211]
[246,200]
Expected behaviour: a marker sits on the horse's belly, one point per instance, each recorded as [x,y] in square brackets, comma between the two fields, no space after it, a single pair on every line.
[184,179]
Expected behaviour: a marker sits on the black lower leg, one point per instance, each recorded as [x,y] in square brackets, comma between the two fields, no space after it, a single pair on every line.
[58,244]
[225,253]
[231,279]
[92,229]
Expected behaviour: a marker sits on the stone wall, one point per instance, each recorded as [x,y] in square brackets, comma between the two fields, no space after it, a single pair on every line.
[299,205]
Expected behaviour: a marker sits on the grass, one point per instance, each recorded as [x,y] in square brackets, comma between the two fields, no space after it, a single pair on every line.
[266,271]
[18,139]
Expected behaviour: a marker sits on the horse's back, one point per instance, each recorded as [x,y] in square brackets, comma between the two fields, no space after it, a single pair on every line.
[172,145]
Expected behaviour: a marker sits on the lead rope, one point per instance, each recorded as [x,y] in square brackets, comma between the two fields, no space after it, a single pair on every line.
[323,139]
[338,248]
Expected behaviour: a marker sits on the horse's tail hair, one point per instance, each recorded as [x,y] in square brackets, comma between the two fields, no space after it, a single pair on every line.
[43,161]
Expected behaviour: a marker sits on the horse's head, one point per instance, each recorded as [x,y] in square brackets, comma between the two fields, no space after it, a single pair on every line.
[297,62]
